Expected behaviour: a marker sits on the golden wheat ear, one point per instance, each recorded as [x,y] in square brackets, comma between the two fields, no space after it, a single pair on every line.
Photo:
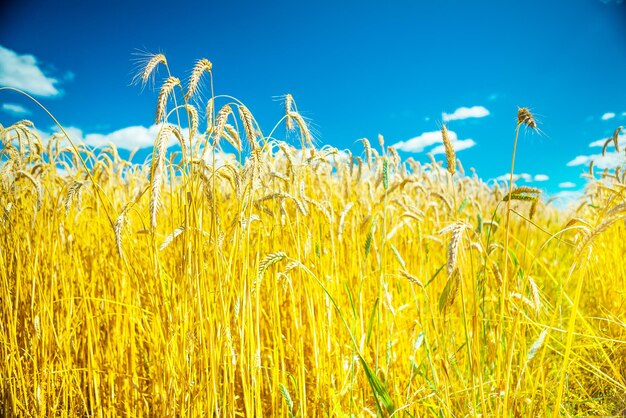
[524,117]
[166,90]
[450,155]
[203,65]
[288,107]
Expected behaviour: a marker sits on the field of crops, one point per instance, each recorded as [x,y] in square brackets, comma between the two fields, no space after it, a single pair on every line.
[281,279]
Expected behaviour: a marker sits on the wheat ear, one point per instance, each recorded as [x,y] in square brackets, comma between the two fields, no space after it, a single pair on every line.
[166,90]
[202,65]
[450,155]
[248,125]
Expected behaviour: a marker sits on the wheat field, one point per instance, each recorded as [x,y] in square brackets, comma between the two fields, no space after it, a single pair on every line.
[239,274]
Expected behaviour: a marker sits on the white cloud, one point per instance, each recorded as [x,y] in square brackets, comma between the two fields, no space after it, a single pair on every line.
[567,185]
[506,177]
[621,139]
[466,112]
[609,160]
[15,109]
[541,177]
[566,199]
[608,115]
[23,72]
[418,143]
[128,138]
[458,145]
[427,139]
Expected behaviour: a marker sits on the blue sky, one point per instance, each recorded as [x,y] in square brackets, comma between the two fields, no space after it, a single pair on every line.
[355,69]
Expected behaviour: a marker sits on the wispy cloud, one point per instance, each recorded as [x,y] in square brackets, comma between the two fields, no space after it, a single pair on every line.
[567,185]
[465,113]
[608,115]
[566,198]
[15,109]
[428,139]
[611,159]
[523,176]
[458,145]
[24,72]
[419,143]
[621,140]
[528,178]
[127,138]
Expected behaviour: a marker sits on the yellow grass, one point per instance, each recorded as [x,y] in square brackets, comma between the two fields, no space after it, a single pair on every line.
[298,281]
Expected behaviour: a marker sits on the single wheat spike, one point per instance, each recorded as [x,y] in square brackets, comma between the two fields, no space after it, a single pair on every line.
[220,123]
[268,261]
[201,66]
[368,150]
[232,136]
[615,137]
[166,90]
[457,229]
[149,68]
[304,128]
[36,184]
[606,145]
[210,109]
[157,173]
[524,117]
[168,240]
[526,189]
[193,119]
[248,125]
[71,192]
[288,106]
[447,144]
[119,228]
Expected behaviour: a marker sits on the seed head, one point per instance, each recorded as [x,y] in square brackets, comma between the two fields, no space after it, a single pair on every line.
[524,117]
